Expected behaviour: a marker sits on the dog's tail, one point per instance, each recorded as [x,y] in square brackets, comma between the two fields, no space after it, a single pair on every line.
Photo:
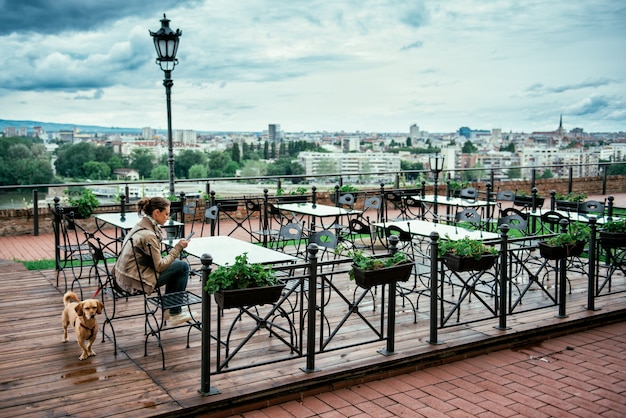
[70,297]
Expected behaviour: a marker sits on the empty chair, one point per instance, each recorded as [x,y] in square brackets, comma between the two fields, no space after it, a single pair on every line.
[189,210]
[469,193]
[347,199]
[326,241]
[505,196]
[468,215]
[211,216]
[288,238]
[591,206]
[373,203]
[516,222]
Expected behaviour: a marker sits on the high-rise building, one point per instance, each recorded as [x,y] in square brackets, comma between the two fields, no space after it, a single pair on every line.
[274,132]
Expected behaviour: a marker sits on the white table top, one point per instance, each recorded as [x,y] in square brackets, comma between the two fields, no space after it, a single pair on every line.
[424,229]
[129,221]
[224,249]
[453,201]
[317,210]
[573,216]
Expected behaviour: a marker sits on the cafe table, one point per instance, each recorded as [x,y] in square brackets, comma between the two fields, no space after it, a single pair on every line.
[316,212]
[124,222]
[225,249]
[420,228]
[457,202]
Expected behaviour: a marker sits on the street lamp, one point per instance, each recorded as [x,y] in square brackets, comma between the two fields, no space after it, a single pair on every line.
[436,166]
[166,45]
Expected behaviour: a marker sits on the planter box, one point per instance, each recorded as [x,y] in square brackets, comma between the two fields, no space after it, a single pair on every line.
[458,263]
[558,253]
[368,278]
[251,296]
[612,239]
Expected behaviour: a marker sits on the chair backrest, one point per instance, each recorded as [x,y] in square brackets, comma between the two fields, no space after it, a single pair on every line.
[514,222]
[211,215]
[403,236]
[358,227]
[347,199]
[551,221]
[372,202]
[505,196]
[290,231]
[468,215]
[591,206]
[324,238]
[513,211]
[468,193]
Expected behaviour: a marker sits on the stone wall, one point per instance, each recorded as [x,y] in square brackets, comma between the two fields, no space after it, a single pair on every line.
[21,221]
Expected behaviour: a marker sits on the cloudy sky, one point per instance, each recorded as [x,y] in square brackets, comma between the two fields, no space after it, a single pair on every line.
[315,65]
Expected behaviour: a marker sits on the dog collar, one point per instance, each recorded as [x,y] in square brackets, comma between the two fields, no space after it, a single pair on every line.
[86,327]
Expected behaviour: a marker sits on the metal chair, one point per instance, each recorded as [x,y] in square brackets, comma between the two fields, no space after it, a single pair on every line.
[289,236]
[211,216]
[469,193]
[592,207]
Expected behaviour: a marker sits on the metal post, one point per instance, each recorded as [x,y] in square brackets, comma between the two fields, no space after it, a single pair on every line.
[168,83]
[123,207]
[35,212]
[391,310]
[504,253]
[312,310]
[611,199]
[314,196]
[562,263]
[592,265]
[570,179]
[604,171]
[434,272]
[337,195]
[552,199]
[205,359]
[490,215]
[57,239]
[533,176]
[435,204]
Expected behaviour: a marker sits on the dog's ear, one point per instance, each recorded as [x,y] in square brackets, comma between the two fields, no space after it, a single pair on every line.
[79,309]
[100,306]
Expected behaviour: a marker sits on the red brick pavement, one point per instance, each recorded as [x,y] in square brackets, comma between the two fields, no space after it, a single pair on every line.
[579,375]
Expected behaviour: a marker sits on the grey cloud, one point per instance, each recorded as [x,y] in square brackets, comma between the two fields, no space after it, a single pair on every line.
[58,16]
[540,88]
[414,45]
[590,105]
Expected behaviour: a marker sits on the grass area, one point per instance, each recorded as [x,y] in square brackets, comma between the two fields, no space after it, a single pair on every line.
[39,265]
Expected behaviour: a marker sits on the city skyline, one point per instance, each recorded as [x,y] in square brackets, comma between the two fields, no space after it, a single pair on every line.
[320,66]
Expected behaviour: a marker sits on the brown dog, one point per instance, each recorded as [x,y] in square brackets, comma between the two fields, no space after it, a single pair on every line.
[82,317]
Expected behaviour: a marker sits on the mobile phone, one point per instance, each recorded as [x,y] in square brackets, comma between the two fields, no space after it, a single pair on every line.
[189,236]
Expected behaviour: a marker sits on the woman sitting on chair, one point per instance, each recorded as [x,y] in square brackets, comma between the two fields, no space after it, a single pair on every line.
[168,270]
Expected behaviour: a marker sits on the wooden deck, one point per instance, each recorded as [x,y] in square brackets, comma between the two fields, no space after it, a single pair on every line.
[43,377]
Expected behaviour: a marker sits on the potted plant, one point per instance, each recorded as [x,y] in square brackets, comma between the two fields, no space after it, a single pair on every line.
[82,204]
[613,234]
[243,284]
[568,244]
[570,201]
[467,254]
[369,270]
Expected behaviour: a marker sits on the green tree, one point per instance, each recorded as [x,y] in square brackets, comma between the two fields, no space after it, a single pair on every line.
[514,173]
[160,172]
[187,159]
[547,174]
[142,161]
[96,170]
[198,171]
[468,147]
[235,153]
[72,157]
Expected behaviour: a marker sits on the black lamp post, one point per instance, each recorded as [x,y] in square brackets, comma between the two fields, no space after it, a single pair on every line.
[166,45]
[436,166]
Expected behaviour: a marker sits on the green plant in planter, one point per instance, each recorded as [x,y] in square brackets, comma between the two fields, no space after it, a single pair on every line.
[465,247]
[368,262]
[618,226]
[86,202]
[576,234]
[571,197]
[241,275]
